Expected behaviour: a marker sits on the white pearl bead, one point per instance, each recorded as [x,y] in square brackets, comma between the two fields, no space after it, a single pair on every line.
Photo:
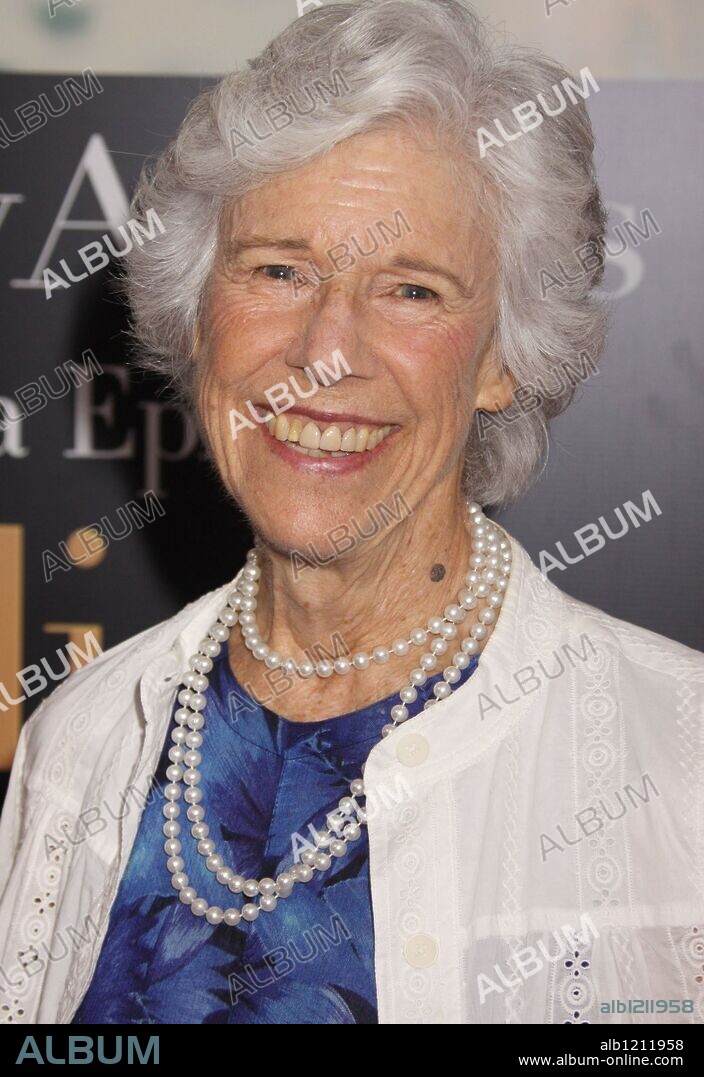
[478,632]
[399,713]
[461,660]
[428,661]
[187,895]
[236,884]
[214,915]
[337,847]
[408,695]
[268,903]
[380,654]
[206,846]
[272,660]
[487,617]
[214,863]
[224,875]
[304,873]
[322,861]
[306,668]
[451,674]
[468,600]
[267,886]
[342,665]
[251,887]
[470,646]
[438,646]
[249,912]
[179,881]
[357,787]
[175,864]
[172,847]
[284,884]
[428,704]
[435,625]
[196,813]
[352,831]
[449,631]
[199,907]
[419,636]
[361,661]
[400,647]
[232,917]
[418,677]
[455,614]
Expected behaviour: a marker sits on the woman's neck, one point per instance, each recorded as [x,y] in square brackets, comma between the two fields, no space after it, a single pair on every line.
[370,596]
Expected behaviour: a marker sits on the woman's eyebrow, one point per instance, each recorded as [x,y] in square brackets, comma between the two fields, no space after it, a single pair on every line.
[251,242]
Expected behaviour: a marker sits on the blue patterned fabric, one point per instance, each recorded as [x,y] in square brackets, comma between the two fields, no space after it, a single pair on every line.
[311,961]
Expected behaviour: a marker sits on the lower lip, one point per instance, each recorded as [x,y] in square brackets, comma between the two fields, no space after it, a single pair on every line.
[336,465]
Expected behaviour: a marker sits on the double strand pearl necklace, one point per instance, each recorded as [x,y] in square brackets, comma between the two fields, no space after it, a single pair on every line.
[486,581]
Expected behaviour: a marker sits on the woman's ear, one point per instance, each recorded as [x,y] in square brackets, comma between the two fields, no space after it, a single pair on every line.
[495,386]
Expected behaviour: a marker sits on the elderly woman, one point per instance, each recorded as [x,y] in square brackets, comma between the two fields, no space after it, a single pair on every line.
[469,798]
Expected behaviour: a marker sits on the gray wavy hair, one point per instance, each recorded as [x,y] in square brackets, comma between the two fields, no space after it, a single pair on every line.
[410,60]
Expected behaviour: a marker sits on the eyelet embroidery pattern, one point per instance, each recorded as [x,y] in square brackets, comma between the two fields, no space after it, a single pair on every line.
[577,991]
[692,951]
[36,925]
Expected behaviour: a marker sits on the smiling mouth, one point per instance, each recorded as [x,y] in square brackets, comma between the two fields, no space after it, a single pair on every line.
[326,439]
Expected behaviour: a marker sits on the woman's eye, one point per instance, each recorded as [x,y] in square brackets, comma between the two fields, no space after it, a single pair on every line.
[278,272]
[416,291]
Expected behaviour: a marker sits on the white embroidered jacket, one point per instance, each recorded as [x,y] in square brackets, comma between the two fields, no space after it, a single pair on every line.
[535,840]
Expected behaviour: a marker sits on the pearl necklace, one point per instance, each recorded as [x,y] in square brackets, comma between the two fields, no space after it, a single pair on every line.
[486,581]
[444,626]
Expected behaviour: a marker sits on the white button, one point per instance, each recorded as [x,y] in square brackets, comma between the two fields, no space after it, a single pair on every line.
[421,951]
[412,749]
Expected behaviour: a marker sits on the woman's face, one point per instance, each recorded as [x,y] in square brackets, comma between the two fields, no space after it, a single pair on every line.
[412,320]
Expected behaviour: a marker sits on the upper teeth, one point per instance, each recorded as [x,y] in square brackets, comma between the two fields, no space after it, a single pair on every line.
[310,435]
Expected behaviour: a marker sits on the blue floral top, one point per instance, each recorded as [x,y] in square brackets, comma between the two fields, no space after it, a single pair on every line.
[311,960]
